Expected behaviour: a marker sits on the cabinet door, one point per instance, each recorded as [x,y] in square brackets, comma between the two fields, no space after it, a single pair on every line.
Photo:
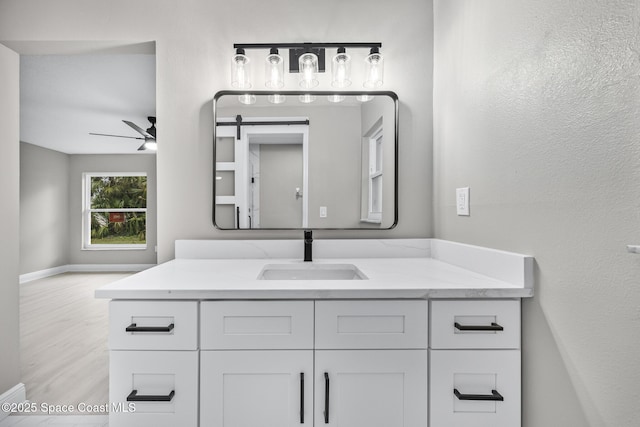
[256,388]
[371,388]
[475,388]
[153,388]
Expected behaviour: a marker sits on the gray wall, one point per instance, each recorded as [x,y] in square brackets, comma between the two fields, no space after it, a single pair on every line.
[9,217]
[194,43]
[536,109]
[44,208]
[110,163]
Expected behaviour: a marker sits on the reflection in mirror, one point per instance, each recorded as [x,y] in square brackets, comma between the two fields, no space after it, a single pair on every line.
[294,160]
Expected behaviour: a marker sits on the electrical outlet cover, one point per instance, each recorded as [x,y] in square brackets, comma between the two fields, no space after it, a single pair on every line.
[462,201]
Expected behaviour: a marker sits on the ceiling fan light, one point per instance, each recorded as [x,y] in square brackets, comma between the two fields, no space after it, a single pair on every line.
[149,145]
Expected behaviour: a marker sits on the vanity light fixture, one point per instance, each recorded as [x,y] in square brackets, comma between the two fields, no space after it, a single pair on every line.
[336,98]
[274,70]
[374,69]
[364,98]
[307,98]
[240,70]
[307,59]
[276,98]
[341,69]
[247,99]
[308,66]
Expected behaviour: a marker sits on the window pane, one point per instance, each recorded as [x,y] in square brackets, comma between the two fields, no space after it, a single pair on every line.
[118,228]
[376,194]
[379,154]
[108,192]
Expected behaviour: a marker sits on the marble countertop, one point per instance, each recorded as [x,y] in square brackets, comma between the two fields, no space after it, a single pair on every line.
[441,270]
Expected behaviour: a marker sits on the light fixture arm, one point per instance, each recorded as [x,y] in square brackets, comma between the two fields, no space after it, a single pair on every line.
[306,45]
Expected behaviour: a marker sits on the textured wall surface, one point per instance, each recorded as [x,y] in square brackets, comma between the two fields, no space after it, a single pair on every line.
[44,208]
[536,108]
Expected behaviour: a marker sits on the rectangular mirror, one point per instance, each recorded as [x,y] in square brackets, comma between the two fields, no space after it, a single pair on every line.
[305,160]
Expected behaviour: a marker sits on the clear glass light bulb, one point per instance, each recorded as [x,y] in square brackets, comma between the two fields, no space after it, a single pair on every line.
[274,70]
[341,69]
[276,99]
[307,98]
[308,67]
[336,98]
[247,99]
[374,70]
[240,70]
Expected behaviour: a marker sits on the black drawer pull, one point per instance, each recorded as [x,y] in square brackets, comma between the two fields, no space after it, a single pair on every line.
[493,327]
[301,397]
[326,398]
[134,397]
[494,396]
[135,328]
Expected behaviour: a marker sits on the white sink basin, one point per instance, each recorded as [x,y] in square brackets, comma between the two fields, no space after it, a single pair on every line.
[309,271]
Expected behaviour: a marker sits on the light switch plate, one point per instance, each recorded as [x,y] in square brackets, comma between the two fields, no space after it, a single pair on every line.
[462,201]
[323,211]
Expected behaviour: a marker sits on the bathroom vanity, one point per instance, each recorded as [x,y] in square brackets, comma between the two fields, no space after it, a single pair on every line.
[371,333]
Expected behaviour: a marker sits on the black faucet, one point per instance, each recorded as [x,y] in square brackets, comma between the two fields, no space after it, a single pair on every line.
[308,241]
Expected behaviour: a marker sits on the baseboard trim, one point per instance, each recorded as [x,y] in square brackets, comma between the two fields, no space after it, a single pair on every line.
[83,268]
[16,394]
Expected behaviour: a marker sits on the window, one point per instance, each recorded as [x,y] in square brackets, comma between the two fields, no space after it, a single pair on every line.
[375,176]
[115,211]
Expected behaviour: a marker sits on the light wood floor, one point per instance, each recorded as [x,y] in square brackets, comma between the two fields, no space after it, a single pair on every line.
[63,339]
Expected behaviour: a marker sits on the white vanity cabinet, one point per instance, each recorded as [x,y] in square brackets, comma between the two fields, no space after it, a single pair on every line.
[153,363]
[334,363]
[475,363]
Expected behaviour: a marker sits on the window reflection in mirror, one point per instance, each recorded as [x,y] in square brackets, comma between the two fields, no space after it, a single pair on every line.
[299,164]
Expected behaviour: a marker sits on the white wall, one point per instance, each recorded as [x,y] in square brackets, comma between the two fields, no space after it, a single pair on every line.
[194,44]
[536,108]
[9,217]
[81,163]
[44,208]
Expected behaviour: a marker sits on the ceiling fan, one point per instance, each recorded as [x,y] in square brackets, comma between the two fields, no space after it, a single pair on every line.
[149,135]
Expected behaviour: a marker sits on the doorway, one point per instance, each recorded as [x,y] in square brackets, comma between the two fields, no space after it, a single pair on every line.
[74,87]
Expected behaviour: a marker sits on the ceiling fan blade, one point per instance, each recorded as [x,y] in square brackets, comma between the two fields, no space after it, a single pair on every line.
[116,136]
[139,130]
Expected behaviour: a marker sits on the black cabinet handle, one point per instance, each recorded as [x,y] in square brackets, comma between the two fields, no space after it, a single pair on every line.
[326,398]
[301,397]
[494,396]
[135,328]
[135,397]
[493,327]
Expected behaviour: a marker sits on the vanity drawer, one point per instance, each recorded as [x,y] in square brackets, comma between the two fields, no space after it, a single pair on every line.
[263,325]
[475,324]
[153,325]
[474,388]
[379,324]
[165,384]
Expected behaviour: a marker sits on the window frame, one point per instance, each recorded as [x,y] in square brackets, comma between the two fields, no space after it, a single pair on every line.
[87,211]
[376,139]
